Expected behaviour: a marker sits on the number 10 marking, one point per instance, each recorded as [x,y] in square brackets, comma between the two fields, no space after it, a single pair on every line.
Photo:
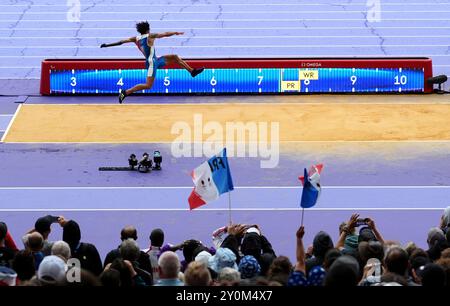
[400,80]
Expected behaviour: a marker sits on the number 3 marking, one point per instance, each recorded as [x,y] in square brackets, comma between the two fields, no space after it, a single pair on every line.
[73,81]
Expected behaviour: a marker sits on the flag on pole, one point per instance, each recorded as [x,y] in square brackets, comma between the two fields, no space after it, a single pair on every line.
[311,186]
[211,179]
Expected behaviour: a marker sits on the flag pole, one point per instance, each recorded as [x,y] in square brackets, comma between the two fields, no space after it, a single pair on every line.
[303,212]
[229,207]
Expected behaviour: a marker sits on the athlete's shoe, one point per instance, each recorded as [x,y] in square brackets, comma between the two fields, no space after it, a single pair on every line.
[196,72]
[122,96]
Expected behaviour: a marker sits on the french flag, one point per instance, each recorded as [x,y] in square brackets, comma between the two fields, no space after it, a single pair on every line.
[211,179]
[311,186]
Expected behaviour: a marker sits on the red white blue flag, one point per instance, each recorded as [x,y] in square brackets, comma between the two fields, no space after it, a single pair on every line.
[211,179]
[311,186]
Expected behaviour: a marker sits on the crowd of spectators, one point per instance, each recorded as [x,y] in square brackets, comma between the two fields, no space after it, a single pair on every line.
[241,255]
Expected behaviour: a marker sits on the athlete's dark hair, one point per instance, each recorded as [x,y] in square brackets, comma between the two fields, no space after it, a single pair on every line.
[143,27]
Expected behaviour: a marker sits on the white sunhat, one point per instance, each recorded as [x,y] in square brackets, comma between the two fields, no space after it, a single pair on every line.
[203,257]
[52,268]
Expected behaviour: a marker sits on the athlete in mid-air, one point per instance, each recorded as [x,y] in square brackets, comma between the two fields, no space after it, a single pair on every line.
[145,43]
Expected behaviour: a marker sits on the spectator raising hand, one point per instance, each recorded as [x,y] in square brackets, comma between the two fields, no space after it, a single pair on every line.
[300,252]
[237,230]
[348,229]
[371,225]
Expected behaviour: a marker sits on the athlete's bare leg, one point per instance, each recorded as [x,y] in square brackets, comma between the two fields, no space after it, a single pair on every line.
[175,59]
[147,85]
[144,86]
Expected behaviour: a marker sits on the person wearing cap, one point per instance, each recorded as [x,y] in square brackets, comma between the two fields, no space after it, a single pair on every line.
[52,271]
[6,254]
[224,257]
[249,267]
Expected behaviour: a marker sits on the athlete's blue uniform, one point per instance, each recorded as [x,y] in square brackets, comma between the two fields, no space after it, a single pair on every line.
[152,63]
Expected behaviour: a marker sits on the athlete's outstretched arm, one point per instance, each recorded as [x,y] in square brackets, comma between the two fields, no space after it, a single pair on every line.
[121,42]
[165,34]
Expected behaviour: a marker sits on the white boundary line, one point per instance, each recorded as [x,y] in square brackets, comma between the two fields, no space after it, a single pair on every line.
[290,4]
[235,46]
[232,20]
[217,29]
[236,187]
[6,115]
[11,123]
[235,37]
[219,209]
[223,12]
[229,28]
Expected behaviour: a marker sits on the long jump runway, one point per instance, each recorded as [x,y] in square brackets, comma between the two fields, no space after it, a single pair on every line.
[387,158]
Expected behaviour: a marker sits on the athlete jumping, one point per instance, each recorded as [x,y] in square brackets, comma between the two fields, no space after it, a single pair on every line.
[145,43]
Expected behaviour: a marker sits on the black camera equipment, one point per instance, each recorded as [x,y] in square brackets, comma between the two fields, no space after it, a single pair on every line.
[439,80]
[132,161]
[145,164]
[157,159]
